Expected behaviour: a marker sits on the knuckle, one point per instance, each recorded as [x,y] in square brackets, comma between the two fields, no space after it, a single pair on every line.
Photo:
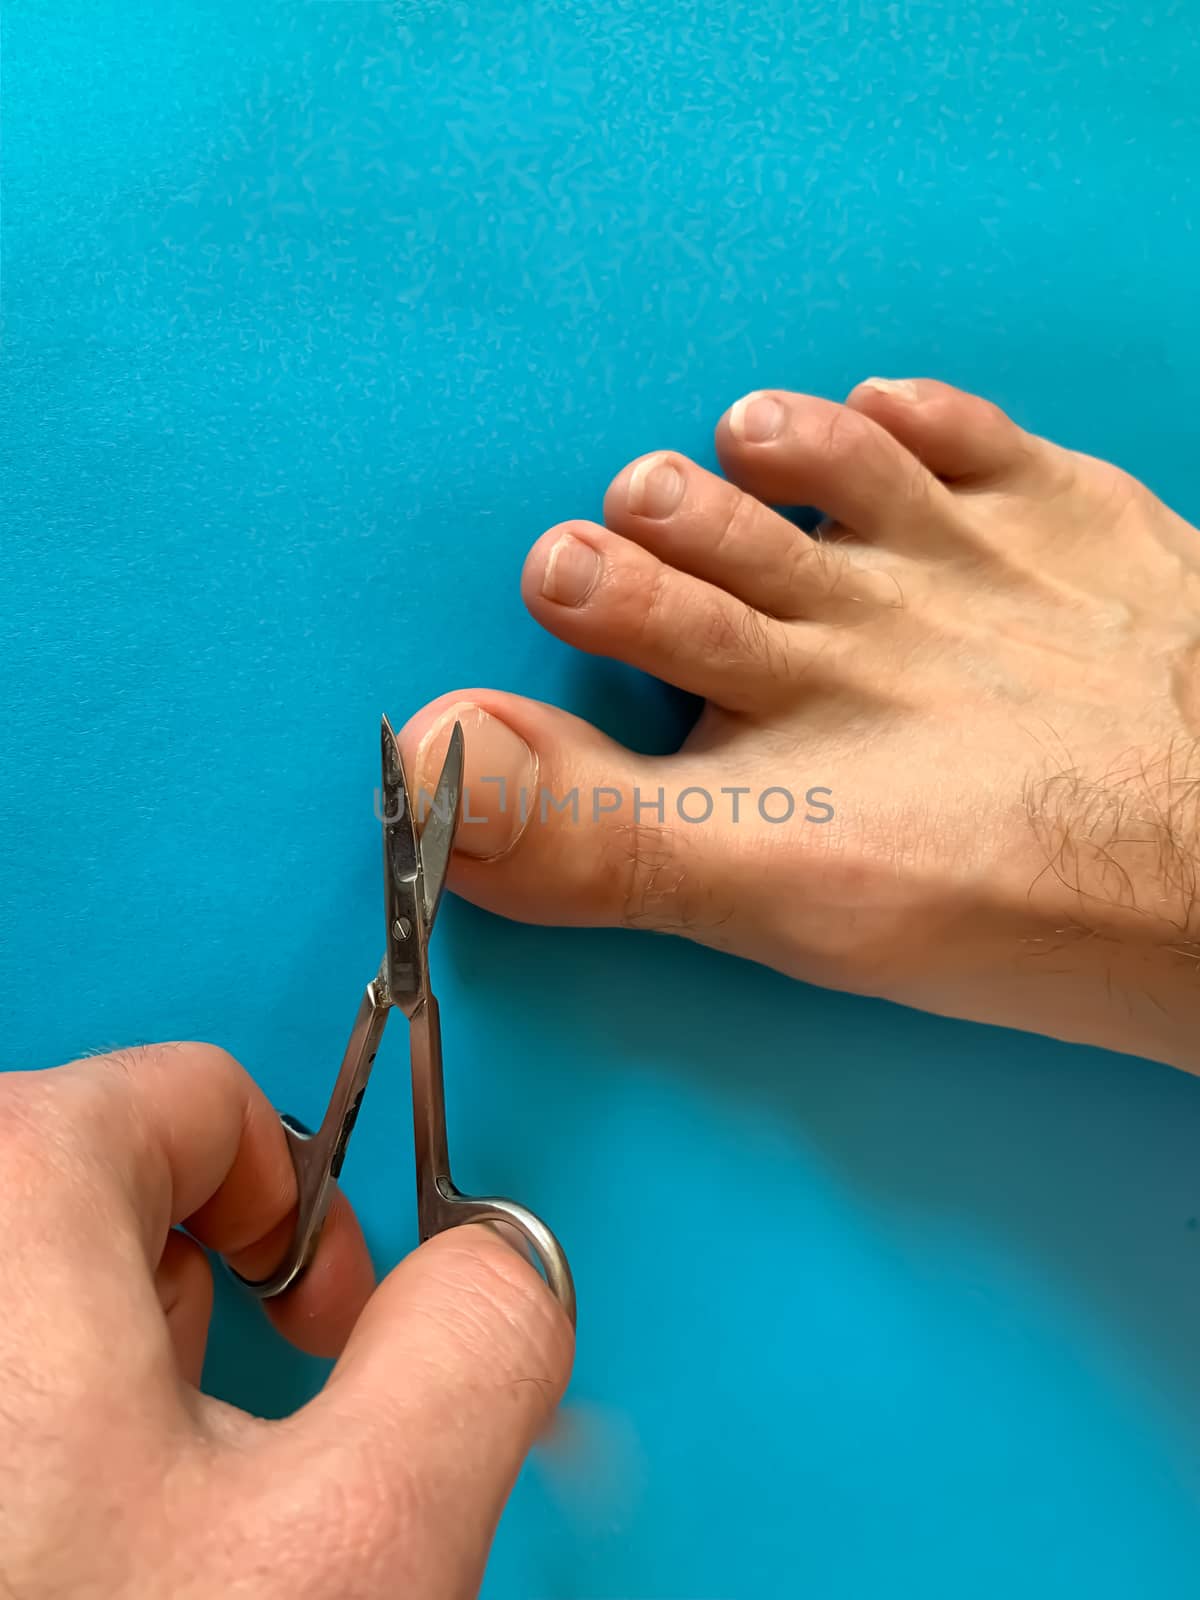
[213,1058]
[717,633]
[653,601]
[814,567]
[133,1063]
[130,1068]
[725,632]
[844,434]
[650,876]
[737,523]
[665,884]
[752,635]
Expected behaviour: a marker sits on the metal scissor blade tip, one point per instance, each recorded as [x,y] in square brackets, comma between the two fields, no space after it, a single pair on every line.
[395,780]
[452,766]
[399,832]
[437,838]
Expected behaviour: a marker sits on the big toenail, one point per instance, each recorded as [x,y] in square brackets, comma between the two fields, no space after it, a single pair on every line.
[898,388]
[499,780]
[571,572]
[655,488]
[756,418]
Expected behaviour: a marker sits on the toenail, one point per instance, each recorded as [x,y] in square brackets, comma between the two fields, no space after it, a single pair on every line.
[898,388]
[571,571]
[499,780]
[756,418]
[655,488]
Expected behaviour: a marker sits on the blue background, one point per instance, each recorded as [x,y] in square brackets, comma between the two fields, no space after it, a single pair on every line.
[315,314]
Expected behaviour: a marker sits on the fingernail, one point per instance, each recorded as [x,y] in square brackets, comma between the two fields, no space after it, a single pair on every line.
[499,780]
[571,572]
[898,388]
[756,418]
[655,488]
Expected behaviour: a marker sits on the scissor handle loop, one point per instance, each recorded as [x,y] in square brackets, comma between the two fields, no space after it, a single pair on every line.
[454,1210]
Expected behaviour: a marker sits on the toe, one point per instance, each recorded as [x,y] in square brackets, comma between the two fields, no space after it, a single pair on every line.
[958,436]
[795,449]
[700,523]
[561,825]
[607,595]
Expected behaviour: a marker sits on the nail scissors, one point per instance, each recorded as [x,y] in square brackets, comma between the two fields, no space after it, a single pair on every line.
[414,874]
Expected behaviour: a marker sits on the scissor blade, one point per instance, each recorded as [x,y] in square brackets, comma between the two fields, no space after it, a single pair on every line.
[437,838]
[400,873]
[399,826]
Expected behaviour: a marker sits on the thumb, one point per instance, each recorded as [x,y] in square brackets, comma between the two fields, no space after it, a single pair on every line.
[452,1371]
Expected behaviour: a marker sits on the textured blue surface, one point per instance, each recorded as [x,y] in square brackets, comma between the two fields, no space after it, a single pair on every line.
[314,316]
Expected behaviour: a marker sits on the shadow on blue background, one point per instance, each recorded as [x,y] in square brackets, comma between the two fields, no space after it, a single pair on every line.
[314,316]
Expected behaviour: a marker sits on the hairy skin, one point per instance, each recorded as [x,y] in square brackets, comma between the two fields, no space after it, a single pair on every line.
[988,652]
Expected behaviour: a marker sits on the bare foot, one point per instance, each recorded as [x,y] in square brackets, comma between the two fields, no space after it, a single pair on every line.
[980,681]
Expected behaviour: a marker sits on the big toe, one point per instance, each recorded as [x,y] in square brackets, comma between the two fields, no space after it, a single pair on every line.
[562,825]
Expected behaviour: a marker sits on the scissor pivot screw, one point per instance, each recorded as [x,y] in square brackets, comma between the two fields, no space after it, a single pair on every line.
[402,927]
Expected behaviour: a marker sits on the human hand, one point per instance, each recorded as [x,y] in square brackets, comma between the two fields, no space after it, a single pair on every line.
[120,1478]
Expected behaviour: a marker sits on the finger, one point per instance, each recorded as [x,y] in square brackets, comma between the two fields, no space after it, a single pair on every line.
[184,1283]
[318,1313]
[453,1371]
[180,1134]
